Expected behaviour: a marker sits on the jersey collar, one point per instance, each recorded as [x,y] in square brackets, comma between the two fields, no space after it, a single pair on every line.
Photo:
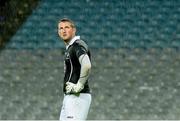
[72,41]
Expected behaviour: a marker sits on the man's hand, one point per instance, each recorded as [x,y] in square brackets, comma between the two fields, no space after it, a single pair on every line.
[74,88]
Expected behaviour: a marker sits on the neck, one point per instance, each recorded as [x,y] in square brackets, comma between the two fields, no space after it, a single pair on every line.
[67,41]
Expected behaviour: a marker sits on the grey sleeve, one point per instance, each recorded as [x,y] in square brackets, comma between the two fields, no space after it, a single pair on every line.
[85,68]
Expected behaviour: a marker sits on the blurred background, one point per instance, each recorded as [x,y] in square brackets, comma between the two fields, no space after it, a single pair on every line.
[135,47]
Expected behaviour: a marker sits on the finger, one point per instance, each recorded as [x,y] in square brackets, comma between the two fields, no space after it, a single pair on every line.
[67,83]
[68,90]
[68,87]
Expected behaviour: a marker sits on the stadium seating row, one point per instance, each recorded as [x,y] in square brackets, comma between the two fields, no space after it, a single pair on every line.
[106,24]
[126,84]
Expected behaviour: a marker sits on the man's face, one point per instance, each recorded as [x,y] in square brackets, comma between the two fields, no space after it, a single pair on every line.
[66,31]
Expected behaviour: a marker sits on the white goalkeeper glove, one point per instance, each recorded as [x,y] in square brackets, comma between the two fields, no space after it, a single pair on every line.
[73,88]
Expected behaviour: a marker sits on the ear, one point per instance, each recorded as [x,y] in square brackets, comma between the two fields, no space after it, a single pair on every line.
[74,31]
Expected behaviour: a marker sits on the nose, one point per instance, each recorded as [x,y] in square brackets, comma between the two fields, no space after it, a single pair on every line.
[63,30]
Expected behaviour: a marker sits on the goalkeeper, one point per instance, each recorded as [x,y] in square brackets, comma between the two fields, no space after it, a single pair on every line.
[77,67]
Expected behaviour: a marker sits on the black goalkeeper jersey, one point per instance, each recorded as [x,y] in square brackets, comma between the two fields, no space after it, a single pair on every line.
[72,67]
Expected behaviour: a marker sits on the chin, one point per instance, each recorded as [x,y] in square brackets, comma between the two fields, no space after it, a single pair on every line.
[66,40]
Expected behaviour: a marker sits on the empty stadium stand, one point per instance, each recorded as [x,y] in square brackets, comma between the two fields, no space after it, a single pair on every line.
[106,24]
[135,57]
[130,84]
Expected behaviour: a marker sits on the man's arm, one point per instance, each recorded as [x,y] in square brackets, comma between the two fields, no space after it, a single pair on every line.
[84,74]
[85,68]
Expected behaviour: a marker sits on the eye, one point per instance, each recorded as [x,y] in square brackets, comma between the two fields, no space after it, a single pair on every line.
[59,29]
[67,27]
